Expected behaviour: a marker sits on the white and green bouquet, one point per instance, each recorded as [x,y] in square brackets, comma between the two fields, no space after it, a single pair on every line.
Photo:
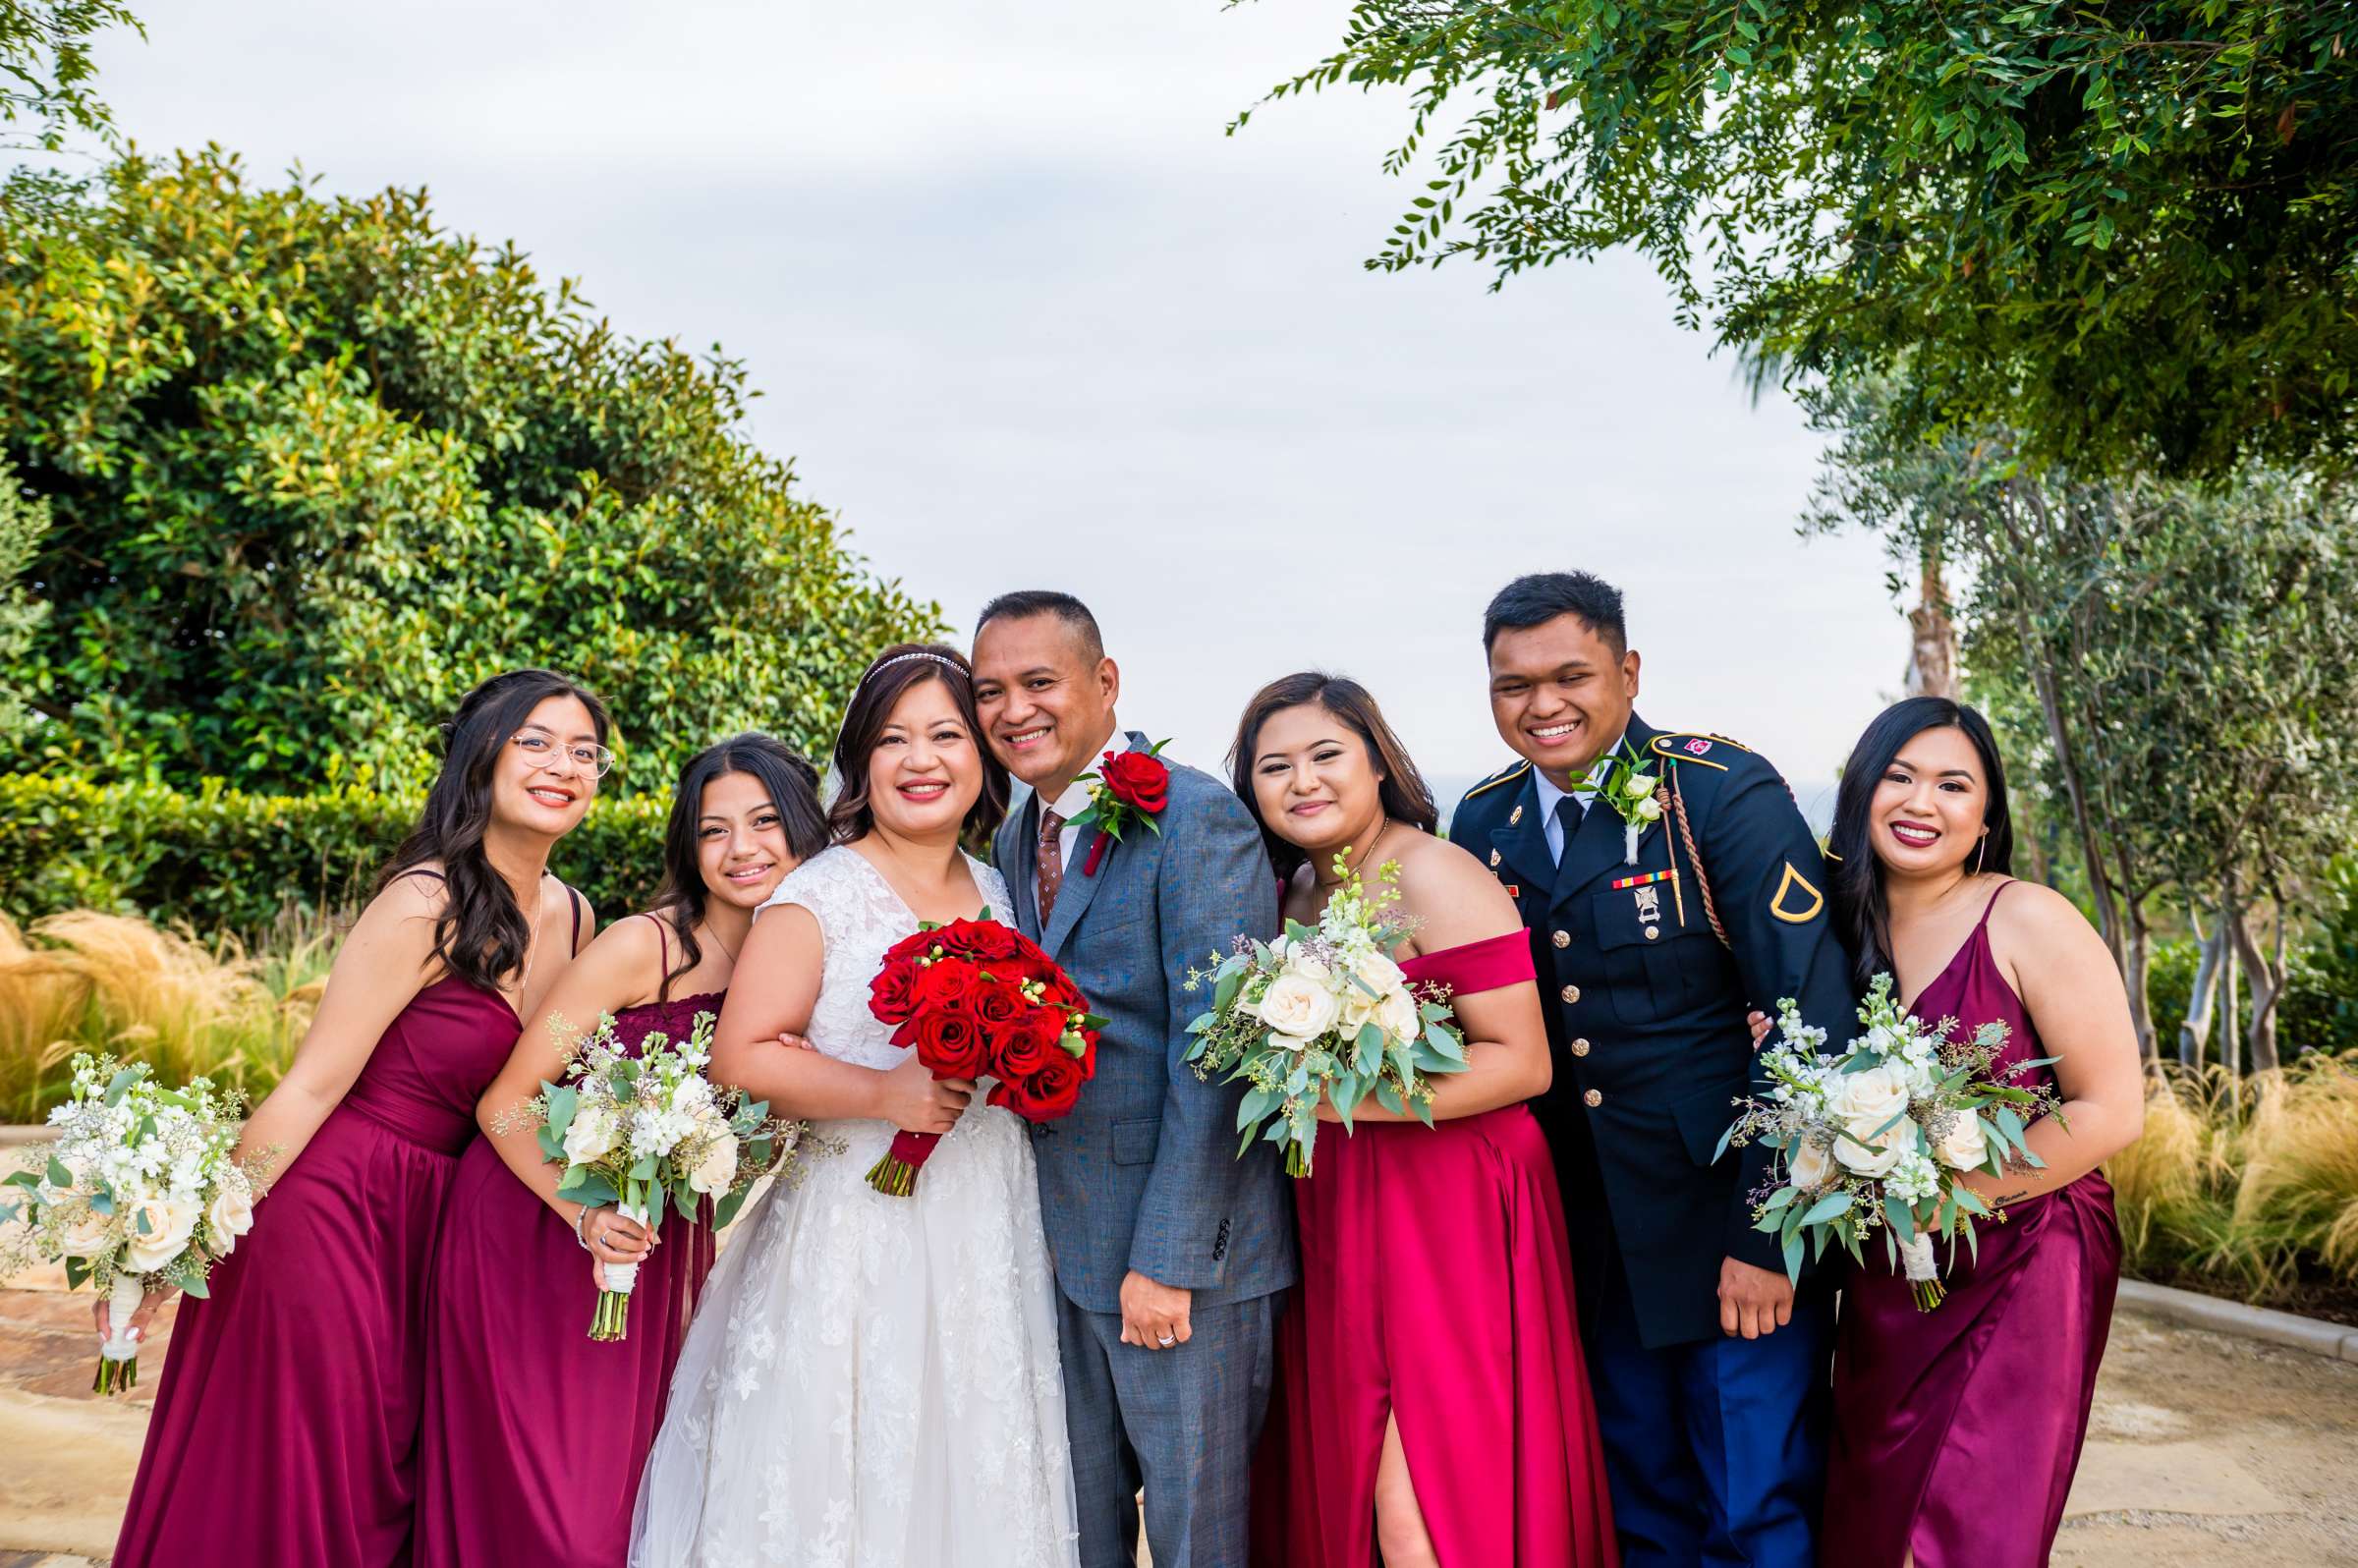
[648,1130]
[141,1189]
[1324,1013]
[1881,1137]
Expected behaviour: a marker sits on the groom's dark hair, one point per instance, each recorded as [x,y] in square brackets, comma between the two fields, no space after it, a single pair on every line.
[1027,602]
[1540,597]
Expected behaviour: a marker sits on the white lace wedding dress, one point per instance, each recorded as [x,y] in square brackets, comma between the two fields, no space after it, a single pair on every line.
[871,1381]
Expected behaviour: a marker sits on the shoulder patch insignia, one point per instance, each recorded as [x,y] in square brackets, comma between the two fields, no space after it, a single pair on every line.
[1796,903]
[1695,749]
[1496,779]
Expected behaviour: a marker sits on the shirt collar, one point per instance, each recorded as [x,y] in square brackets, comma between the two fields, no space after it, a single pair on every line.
[1585,790]
[1075,798]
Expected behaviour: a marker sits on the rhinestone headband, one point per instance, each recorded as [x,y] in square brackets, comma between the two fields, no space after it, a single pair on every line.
[903,658]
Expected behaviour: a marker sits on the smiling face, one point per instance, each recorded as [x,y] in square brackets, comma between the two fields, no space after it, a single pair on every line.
[741,848]
[926,772]
[1928,808]
[547,791]
[1560,695]
[1314,781]
[1046,707]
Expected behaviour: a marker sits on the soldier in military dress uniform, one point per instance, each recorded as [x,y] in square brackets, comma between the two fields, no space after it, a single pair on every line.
[1710,1371]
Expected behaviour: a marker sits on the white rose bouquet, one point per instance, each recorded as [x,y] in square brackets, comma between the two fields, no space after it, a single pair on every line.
[1323,1012]
[1882,1136]
[645,1131]
[141,1190]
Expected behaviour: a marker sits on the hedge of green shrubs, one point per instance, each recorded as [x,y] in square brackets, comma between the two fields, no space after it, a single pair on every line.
[224,860]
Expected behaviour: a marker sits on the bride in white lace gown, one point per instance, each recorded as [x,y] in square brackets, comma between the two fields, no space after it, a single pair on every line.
[872,1381]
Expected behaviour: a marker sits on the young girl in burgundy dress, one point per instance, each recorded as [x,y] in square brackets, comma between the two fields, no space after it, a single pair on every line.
[535,1433]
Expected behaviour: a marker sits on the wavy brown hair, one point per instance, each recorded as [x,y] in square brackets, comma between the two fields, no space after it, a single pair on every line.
[1400,786]
[891,674]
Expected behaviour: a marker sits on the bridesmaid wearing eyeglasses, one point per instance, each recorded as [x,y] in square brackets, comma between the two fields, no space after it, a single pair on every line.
[513,1380]
[285,1423]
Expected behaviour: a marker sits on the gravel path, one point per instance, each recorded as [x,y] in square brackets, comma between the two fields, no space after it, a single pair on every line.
[2205,1448]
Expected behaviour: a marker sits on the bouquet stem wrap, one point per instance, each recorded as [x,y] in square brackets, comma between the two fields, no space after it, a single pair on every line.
[1924,1275]
[895,1175]
[119,1356]
[613,1317]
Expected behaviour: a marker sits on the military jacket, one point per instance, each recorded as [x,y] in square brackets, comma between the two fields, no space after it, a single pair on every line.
[1646,1004]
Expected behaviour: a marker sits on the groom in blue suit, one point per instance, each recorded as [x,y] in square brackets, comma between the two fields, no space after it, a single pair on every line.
[1170,1251]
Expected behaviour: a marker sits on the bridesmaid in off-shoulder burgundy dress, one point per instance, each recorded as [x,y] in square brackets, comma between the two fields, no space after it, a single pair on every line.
[1437,1287]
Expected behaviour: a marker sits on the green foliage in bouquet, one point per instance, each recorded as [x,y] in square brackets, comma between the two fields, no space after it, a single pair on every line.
[317,466]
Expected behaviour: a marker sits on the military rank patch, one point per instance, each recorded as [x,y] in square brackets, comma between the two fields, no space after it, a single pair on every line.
[1788,904]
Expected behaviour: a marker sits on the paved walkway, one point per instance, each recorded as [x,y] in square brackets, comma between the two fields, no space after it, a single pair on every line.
[2205,1449]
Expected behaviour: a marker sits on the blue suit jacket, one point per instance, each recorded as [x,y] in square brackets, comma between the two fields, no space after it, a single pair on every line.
[1646,1010]
[1144,1174]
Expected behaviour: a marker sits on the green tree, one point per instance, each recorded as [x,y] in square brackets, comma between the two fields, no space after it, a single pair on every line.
[2128,232]
[2185,655]
[23,522]
[47,71]
[317,466]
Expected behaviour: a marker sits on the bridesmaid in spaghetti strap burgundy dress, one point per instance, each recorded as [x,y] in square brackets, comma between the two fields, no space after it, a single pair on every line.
[1437,1287]
[285,1427]
[536,1433]
[1957,1430]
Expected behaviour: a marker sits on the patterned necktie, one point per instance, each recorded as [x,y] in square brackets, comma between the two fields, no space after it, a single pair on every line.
[1051,863]
[1567,824]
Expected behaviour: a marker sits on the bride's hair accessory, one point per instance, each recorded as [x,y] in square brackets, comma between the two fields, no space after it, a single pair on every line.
[903,658]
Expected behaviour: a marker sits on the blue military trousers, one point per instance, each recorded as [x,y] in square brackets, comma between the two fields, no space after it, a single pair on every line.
[1715,1450]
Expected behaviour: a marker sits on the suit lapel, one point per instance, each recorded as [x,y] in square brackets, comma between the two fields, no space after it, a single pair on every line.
[1022,870]
[1601,844]
[1521,845]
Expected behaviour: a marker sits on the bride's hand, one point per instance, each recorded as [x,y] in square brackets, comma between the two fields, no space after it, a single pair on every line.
[141,1320]
[916,1101]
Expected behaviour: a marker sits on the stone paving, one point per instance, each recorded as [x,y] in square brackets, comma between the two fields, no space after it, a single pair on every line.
[2205,1448]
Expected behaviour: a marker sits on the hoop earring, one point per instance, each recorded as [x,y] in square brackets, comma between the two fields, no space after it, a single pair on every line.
[1980,852]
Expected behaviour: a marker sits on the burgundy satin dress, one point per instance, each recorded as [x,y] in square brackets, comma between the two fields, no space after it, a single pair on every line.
[1957,1430]
[285,1429]
[534,1432]
[1437,1287]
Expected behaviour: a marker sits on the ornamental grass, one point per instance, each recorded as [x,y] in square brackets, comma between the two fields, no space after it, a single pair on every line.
[85,981]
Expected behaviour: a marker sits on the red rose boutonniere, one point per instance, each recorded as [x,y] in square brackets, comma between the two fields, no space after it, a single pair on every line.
[1130,786]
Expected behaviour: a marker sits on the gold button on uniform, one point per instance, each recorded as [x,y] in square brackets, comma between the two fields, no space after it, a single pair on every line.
[1571,993]
[1592,1098]
[1653,932]
[1561,939]
[1580,1048]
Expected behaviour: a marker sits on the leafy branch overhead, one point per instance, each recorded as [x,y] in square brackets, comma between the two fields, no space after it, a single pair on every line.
[2127,231]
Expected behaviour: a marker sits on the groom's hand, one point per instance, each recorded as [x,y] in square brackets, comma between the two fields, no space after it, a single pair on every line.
[1153,1316]
[1753,1302]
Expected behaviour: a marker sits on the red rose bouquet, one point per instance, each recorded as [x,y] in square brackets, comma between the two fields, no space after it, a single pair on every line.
[1129,786]
[979,999]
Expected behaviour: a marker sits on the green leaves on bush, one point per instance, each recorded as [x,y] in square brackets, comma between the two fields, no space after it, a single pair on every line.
[317,467]
[222,859]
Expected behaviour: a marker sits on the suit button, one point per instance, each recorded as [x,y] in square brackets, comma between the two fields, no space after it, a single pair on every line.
[1580,1048]
[1561,939]
[1571,993]
[1592,1098]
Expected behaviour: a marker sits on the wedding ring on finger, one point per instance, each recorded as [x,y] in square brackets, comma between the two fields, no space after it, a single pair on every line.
[1166,1341]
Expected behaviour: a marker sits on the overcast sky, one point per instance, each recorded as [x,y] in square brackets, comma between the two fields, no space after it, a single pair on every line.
[1024,316]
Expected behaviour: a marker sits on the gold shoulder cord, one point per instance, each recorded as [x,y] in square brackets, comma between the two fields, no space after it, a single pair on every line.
[1686,834]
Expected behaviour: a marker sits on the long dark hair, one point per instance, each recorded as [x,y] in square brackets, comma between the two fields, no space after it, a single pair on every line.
[791,783]
[1400,787]
[1862,914]
[480,936]
[891,673]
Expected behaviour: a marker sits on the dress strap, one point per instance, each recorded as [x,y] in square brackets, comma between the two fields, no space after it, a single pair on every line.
[1994,898]
[663,943]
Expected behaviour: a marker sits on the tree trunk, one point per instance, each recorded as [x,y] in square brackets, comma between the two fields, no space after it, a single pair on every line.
[2267,987]
[2194,1034]
[1933,648]
[2136,974]
[2231,1032]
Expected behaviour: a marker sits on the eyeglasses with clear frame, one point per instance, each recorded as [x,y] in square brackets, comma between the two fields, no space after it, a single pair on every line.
[543,748]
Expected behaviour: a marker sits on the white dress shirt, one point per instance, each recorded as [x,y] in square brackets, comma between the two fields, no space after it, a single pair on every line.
[1586,794]
[1075,800]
